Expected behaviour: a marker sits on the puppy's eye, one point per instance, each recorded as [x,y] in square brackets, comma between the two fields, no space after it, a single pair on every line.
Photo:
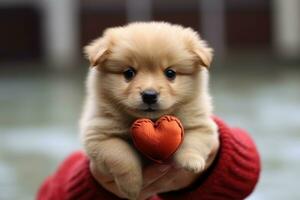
[170,74]
[129,73]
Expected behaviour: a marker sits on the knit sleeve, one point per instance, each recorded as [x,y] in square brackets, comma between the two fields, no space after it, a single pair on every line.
[73,180]
[232,176]
[234,173]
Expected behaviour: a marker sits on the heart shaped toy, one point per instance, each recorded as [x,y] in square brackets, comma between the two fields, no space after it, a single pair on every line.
[160,140]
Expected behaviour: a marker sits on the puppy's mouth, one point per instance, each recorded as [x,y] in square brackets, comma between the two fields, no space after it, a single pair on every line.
[149,109]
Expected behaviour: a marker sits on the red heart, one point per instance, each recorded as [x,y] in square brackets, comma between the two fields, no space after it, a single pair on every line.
[160,140]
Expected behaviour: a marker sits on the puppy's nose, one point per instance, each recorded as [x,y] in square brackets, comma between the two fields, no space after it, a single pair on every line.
[149,96]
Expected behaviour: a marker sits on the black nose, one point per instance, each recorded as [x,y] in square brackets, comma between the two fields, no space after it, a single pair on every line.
[149,96]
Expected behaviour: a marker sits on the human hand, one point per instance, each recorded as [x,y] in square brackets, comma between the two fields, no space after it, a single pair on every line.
[156,178]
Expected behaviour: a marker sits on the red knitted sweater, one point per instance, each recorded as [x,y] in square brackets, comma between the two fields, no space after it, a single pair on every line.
[232,176]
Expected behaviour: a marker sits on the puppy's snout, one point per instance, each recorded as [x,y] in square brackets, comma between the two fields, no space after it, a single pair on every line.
[149,96]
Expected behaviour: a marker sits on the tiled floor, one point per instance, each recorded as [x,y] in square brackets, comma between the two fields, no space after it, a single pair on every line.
[39,113]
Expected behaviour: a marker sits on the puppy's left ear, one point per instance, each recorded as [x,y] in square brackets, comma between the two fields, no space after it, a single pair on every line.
[205,57]
[204,54]
[97,51]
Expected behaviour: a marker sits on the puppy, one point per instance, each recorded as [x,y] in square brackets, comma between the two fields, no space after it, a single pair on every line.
[146,70]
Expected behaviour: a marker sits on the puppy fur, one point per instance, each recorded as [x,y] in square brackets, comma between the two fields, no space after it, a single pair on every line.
[113,103]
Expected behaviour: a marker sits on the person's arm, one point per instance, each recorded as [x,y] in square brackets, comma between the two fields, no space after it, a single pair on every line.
[73,180]
[234,173]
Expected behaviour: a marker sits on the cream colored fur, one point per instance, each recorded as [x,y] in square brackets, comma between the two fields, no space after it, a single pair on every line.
[113,103]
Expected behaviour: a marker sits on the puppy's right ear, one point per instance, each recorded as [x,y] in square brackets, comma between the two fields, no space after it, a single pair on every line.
[97,51]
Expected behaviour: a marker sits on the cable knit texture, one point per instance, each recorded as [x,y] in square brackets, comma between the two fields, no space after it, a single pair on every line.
[232,176]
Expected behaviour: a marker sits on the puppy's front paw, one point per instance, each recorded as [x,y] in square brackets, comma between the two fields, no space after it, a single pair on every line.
[130,184]
[191,161]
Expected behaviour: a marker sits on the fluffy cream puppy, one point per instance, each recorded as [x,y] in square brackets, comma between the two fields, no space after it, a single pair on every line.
[146,70]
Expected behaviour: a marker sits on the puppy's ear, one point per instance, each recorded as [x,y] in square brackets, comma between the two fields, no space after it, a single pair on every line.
[205,56]
[97,51]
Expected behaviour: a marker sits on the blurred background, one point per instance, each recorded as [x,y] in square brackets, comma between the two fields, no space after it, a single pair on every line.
[255,79]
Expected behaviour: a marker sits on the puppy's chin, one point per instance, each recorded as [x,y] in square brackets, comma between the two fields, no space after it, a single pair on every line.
[148,113]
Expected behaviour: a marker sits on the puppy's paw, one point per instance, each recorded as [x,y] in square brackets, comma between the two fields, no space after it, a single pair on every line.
[190,161]
[130,184]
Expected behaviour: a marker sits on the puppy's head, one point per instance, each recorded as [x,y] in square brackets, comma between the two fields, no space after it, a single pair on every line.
[148,69]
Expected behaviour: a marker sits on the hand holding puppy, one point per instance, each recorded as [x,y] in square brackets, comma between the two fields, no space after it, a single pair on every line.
[156,178]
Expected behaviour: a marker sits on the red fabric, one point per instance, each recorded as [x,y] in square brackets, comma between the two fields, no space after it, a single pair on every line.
[232,176]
